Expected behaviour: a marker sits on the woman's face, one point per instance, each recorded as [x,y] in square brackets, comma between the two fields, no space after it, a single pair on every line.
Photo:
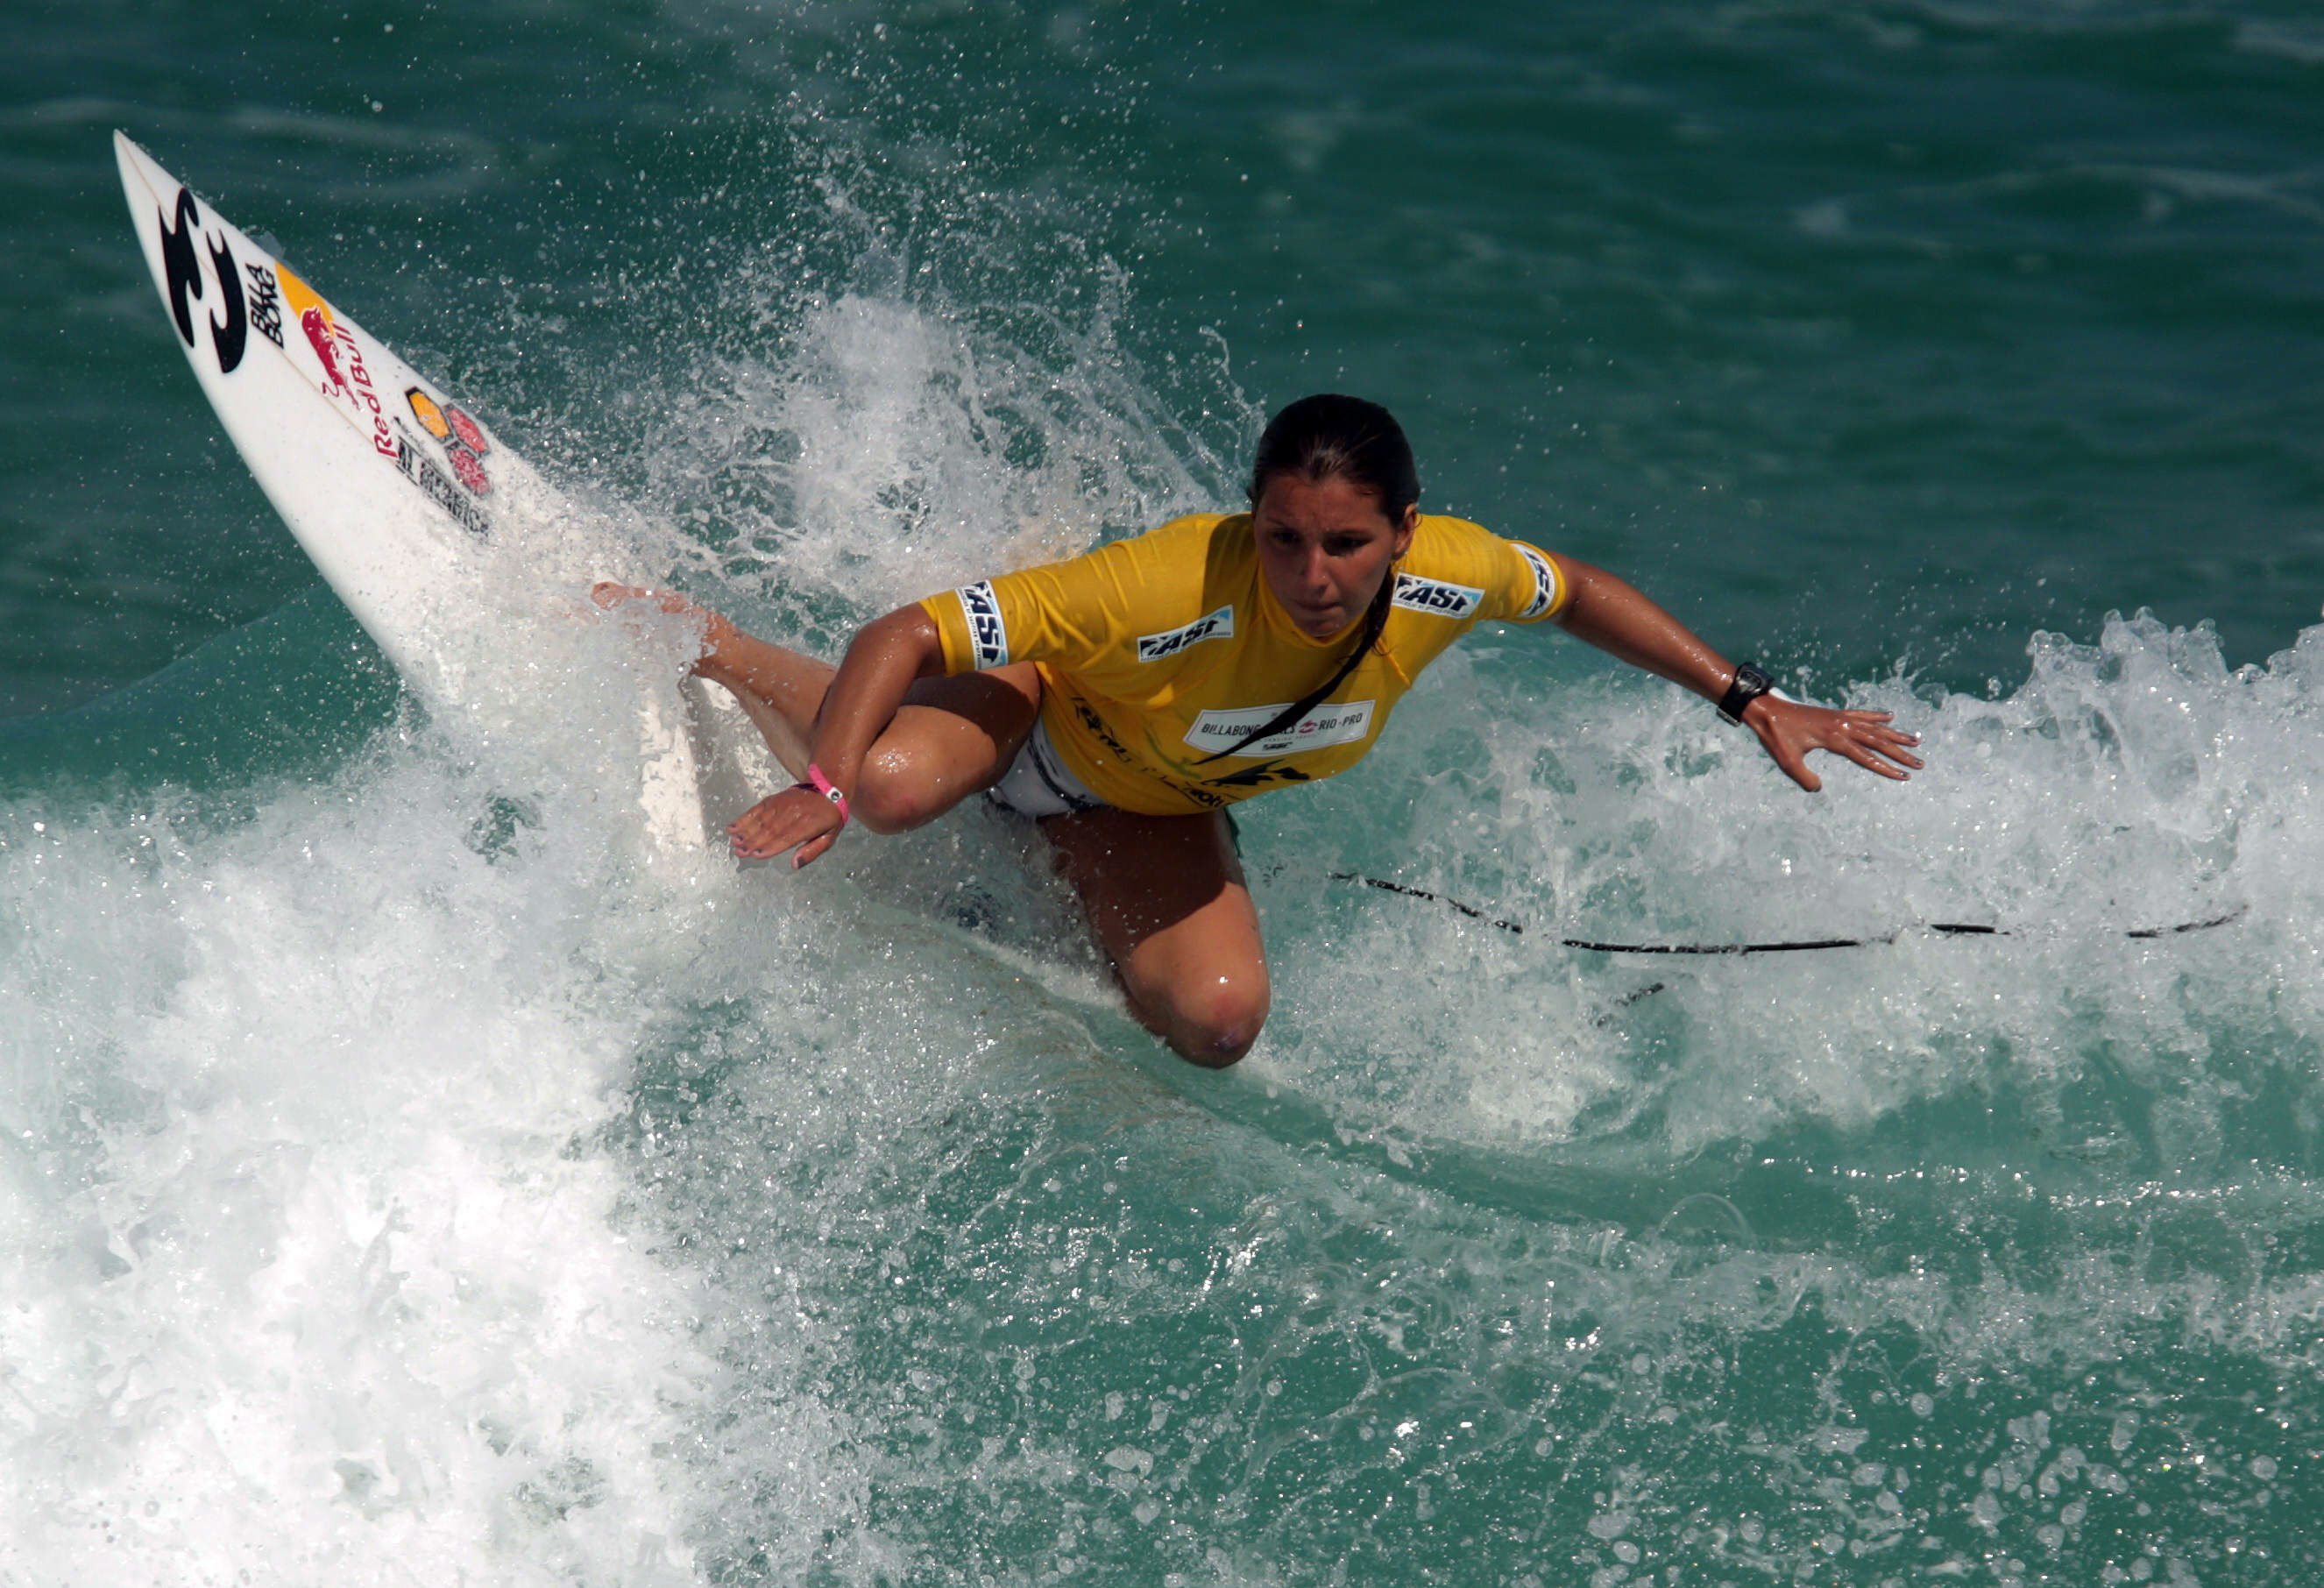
[1325,546]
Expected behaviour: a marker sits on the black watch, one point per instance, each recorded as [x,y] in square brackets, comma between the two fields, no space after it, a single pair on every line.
[1749,684]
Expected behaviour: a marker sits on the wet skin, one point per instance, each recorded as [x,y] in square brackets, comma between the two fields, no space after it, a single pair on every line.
[1165,894]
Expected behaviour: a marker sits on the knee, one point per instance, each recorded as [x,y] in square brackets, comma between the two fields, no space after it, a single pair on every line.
[890,800]
[1215,1025]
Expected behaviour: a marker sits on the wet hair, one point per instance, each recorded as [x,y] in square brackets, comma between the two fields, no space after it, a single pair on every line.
[1328,437]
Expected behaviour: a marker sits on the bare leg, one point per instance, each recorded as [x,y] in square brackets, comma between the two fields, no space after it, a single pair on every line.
[1168,900]
[779,690]
[1165,894]
[952,737]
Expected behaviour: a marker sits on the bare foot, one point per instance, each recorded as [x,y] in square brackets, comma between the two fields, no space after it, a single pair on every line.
[610,594]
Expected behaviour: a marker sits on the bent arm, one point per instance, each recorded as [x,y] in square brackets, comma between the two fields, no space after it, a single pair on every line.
[884,660]
[1619,619]
[886,657]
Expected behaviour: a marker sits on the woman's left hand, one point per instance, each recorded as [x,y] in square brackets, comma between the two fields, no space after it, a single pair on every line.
[797,817]
[1789,729]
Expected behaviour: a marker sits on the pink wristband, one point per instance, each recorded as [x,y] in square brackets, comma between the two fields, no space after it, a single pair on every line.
[827,789]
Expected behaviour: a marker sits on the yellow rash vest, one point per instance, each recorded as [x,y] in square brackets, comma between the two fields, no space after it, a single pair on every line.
[1158,651]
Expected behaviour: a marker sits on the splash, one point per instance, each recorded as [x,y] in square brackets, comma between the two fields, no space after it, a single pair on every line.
[404,1176]
[2132,784]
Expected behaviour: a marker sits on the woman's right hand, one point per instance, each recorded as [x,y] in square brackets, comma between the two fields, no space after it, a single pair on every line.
[795,817]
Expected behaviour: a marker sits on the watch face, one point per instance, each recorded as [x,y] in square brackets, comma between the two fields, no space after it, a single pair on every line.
[1749,684]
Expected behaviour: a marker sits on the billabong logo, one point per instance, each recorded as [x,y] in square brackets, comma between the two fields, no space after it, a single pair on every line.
[987,635]
[181,273]
[1435,595]
[1342,724]
[265,302]
[1544,582]
[1216,625]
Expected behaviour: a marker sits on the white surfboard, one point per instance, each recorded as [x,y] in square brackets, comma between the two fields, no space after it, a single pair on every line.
[416,514]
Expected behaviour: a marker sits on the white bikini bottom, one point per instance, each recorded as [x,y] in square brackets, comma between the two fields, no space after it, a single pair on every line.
[1036,783]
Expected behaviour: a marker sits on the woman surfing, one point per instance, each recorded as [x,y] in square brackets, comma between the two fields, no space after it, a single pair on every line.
[1125,699]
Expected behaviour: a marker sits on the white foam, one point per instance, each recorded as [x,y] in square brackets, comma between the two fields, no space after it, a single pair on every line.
[317,1264]
[2133,784]
[339,1241]
[383,1205]
[904,450]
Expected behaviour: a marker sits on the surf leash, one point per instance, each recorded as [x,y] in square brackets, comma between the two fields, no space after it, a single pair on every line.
[1794,945]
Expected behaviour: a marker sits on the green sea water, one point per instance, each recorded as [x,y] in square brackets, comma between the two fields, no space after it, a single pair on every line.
[398,1181]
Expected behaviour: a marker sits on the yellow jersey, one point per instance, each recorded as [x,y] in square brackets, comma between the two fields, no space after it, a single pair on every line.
[1158,652]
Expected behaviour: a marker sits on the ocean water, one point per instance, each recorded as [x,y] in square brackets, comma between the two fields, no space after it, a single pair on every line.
[402,1181]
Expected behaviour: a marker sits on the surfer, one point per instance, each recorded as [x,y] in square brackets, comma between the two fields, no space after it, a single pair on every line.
[1123,699]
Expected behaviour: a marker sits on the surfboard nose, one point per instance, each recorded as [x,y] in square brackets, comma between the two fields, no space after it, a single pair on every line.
[136,166]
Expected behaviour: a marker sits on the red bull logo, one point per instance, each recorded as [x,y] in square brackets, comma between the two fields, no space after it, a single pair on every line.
[362,396]
[348,379]
[318,327]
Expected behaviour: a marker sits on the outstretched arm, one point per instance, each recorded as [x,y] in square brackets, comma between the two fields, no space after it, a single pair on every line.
[1619,620]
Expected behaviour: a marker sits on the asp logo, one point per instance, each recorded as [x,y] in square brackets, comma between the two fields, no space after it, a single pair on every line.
[1544,582]
[987,635]
[1435,595]
[1216,625]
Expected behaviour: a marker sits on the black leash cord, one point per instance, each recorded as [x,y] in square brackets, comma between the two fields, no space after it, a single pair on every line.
[1946,928]
[1471,910]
